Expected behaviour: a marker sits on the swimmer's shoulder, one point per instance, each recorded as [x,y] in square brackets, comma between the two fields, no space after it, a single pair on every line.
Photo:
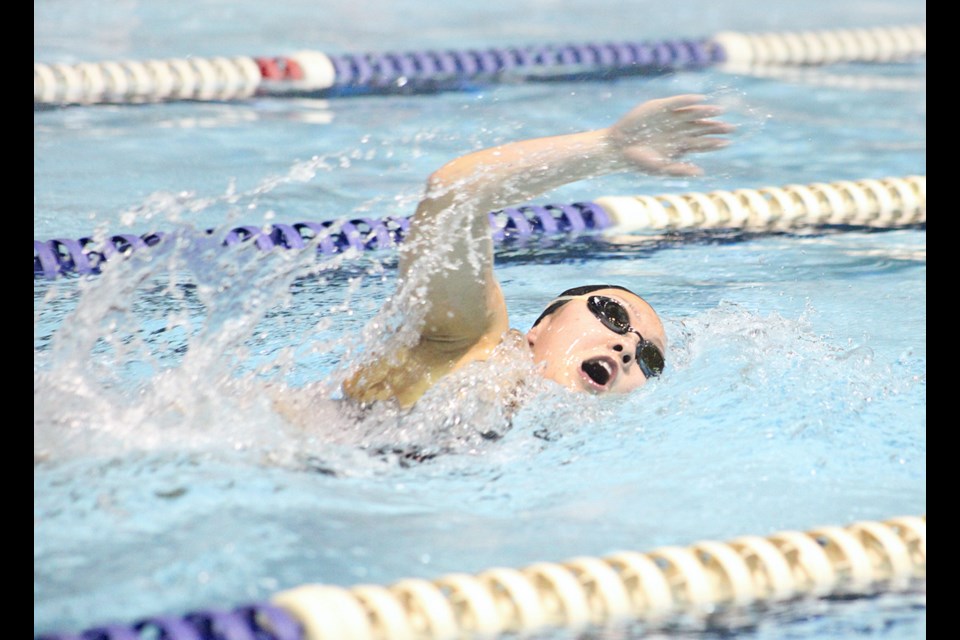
[406,374]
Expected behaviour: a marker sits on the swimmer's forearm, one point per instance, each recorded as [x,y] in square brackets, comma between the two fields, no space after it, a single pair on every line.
[512,173]
[652,138]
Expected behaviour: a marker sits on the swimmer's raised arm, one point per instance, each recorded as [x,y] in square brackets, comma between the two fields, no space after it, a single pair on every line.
[450,228]
[446,260]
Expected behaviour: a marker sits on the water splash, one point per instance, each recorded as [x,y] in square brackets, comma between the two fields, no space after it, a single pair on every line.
[197,347]
[737,369]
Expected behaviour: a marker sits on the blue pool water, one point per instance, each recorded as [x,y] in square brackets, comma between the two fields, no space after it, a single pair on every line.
[164,480]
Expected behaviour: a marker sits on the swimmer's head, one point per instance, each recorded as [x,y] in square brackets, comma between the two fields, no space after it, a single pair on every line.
[599,338]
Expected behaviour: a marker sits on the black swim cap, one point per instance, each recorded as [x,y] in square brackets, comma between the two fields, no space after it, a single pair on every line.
[574,292]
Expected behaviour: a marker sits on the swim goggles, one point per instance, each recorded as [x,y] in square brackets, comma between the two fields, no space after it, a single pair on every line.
[615,317]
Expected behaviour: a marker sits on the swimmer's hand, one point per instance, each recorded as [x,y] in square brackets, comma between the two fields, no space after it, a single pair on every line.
[654,135]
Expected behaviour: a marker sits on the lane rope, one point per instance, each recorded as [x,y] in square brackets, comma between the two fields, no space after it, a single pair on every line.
[873,203]
[337,74]
[861,559]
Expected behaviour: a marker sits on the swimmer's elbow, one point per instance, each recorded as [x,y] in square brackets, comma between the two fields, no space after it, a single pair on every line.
[436,181]
[445,182]
[464,174]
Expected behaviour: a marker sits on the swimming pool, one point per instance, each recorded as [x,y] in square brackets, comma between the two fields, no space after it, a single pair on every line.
[164,481]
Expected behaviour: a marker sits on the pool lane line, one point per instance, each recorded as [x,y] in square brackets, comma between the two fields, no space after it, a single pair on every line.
[315,73]
[698,582]
[871,203]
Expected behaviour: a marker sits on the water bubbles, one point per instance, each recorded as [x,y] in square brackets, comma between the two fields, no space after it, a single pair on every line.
[858,356]
[304,171]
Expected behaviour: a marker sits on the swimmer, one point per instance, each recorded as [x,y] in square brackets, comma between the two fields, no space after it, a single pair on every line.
[596,338]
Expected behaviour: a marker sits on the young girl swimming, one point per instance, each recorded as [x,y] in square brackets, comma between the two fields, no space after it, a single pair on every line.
[596,338]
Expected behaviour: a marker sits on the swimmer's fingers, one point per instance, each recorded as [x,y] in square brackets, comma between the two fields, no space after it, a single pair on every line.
[701,125]
[659,122]
[672,103]
[698,112]
[656,114]
[709,127]
[701,144]
[701,135]
[661,158]
[654,135]
[681,169]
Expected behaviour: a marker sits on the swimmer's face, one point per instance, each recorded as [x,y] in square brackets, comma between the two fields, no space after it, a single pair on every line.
[577,350]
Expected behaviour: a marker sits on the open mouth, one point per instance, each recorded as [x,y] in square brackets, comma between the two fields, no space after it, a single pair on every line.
[599,372]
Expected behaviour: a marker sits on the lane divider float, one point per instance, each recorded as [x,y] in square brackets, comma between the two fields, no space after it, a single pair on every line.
[874,203]
[861,559]
[329,74]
